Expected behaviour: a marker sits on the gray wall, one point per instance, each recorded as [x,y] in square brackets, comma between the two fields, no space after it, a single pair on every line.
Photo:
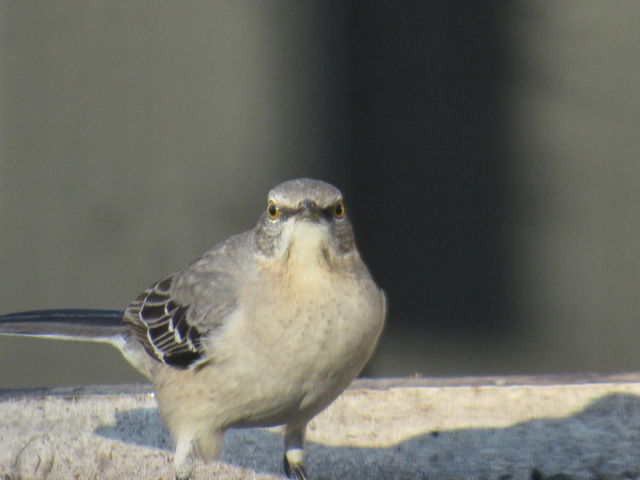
[489,153]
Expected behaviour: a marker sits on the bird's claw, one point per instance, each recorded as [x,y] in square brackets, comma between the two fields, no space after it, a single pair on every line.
[295,471]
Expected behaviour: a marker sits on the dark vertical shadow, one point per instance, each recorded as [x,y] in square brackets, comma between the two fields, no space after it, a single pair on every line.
[428,176]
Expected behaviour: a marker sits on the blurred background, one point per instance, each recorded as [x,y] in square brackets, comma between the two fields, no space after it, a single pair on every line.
[489,153]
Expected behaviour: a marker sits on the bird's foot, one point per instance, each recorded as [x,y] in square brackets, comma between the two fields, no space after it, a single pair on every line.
[294,471]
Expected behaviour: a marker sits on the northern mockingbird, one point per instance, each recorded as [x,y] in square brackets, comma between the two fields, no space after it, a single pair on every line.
[266,328]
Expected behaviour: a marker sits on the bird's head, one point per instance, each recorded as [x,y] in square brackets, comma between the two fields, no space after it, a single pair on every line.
[305,220]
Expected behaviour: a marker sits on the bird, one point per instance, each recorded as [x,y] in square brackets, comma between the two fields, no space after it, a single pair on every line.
[266,328]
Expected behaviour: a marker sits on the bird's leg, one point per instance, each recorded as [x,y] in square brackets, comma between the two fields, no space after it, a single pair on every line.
[294,451]
[209,445]
[184,459]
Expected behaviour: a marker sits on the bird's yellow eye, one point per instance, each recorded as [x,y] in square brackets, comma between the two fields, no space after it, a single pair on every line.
[338,209]
[273,212]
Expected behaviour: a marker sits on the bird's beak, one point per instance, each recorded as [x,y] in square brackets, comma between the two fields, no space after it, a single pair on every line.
[309,209]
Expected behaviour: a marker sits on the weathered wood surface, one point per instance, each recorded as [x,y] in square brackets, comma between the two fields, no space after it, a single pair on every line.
[459,428]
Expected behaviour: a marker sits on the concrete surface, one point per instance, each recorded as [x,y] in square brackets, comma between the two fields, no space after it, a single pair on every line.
[461,428]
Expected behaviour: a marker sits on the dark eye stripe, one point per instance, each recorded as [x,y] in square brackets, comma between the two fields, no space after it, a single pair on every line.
[327,212]
[330,212]
[285,212]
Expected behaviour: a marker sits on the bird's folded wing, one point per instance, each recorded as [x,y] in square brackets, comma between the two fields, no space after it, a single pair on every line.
[173,317]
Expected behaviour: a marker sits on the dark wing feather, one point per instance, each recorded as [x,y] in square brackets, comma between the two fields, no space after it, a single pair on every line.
[161,325]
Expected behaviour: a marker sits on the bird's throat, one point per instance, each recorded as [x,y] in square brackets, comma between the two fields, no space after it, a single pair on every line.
[307,246]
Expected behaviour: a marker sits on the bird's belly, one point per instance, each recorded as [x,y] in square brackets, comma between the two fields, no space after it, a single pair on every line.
[305,356]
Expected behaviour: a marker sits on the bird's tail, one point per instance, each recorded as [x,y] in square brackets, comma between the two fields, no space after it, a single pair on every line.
[68,324]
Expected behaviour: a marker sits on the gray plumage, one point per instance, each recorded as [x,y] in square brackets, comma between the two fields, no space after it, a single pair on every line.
[267,328]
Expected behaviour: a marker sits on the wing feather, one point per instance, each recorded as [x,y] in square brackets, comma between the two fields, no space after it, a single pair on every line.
[160,323]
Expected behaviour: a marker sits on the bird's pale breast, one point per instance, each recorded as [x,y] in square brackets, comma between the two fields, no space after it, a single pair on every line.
[322,328]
